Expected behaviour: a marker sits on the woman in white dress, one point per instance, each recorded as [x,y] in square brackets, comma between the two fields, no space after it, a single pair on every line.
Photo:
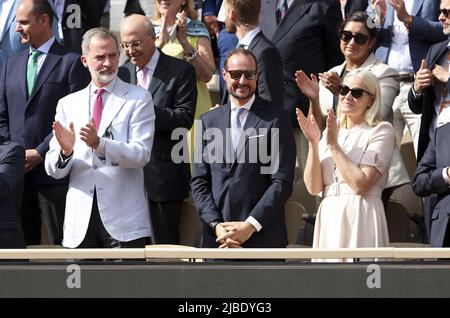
[349,164]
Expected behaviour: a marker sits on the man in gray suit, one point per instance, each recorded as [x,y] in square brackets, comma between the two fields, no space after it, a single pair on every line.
[173,87]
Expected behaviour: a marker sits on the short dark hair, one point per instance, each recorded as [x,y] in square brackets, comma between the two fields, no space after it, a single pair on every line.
[364,18]
[242,51]
[41,7]
[247,10]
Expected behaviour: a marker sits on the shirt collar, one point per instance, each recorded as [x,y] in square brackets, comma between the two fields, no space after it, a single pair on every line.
[151,65]
[44,48]
[248,38]
[109,88]
[247,105]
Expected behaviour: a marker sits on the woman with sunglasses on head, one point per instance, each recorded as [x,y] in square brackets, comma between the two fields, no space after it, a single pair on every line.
[180,34]
[349,165]
[357,34]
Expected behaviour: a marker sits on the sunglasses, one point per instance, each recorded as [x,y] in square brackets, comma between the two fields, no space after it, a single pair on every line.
[444,12]
[360,38]
[356,92]
[237,74]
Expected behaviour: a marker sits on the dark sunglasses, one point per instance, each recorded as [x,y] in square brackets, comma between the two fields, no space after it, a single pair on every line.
[237,74]
[444,12]
[356,92]
[360,38]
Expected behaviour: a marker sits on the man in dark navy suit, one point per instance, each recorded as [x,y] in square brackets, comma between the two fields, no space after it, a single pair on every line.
[238,193]
[11,187]
[32,83]
[432,177]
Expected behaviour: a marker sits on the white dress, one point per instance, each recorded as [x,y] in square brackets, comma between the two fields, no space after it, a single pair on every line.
[345,219]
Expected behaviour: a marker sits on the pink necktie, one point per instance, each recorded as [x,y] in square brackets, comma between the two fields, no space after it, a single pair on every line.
[98,107]
[142,77]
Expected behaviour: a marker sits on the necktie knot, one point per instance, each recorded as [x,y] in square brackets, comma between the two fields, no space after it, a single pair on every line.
[239,112]
[100,92]
[35,54]
[282,9]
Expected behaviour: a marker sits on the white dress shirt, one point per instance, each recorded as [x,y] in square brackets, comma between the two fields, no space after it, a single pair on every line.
[243,119]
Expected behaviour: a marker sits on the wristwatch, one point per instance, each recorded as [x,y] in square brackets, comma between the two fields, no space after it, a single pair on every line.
[191,55]
[212,226]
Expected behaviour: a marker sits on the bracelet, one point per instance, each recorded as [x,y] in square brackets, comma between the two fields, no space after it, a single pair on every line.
[192,55]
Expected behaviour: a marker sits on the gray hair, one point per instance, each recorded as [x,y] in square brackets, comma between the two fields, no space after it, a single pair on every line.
[101,33]
[147,23]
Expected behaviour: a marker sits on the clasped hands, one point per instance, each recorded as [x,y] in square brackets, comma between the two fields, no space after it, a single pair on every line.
[233,234]
[66,137]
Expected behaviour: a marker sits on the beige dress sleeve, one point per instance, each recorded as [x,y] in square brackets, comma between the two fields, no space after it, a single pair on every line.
[380,147]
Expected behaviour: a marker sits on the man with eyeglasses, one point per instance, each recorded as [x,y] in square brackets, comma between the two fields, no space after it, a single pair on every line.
[172,85]
[408,29]
[240,203]
[429,97]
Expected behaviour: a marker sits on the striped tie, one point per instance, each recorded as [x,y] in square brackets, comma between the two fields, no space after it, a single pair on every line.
[237,127]
[281,10]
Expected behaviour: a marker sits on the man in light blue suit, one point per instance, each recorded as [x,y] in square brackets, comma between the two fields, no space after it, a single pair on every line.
[9,38]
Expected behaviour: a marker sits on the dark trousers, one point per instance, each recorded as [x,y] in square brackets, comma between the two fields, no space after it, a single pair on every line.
[165,221]
[11,238]
[47,201]
[98,237]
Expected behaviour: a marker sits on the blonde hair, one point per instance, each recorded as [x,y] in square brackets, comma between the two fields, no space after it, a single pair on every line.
[187,6]
[372,114]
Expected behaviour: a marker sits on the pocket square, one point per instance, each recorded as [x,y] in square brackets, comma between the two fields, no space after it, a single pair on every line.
[256,136]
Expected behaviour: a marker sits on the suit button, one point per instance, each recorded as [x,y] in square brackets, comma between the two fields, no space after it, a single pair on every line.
[91,191]
[285,83]
[95,166]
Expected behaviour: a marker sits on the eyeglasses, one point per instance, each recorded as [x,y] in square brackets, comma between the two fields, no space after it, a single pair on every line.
[134,44]
[356,92]
[360,38]
[237,74]
[444,12]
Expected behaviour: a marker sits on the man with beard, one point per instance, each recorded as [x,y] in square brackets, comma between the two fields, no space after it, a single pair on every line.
[240,196]
[242,17]
[103,137]
[33,80]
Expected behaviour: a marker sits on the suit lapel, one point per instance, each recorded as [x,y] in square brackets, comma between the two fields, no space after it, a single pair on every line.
[296,11]
[159,74]
[132,71]
[9,20]
[254,42]
[51,60]
[113,105]
[22,72]
[224,125]
[442,50]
